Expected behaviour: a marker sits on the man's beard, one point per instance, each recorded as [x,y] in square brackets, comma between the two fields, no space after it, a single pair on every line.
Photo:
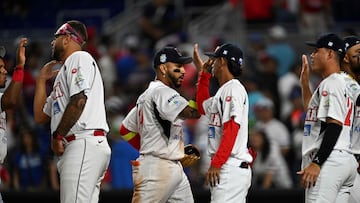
[174,81]
[355,67]
[57,54]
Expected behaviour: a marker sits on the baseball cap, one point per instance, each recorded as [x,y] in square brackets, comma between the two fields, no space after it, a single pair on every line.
[351,41]
[231,53]
[228,51]
[2,52]
[330,41]
[170,54]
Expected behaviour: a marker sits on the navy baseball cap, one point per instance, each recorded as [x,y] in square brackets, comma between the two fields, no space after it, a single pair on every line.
[330,41]
[2,52]
[170,54]
[228,51]
[351,41]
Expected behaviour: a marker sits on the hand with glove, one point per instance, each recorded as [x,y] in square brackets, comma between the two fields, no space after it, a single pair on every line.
[192,155]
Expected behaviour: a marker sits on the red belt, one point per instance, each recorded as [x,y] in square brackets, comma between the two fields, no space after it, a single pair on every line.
[72,137]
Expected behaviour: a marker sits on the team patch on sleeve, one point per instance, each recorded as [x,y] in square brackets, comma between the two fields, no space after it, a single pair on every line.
[79,81]
[174,100]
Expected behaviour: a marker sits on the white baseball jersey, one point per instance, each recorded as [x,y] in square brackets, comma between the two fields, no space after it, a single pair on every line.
[75,76]
[231,100]
[3,138]
[354,89]
[331,99]
[155,118]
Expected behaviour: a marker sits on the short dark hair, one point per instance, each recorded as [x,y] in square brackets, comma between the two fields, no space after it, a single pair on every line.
[234,68]
[80,28]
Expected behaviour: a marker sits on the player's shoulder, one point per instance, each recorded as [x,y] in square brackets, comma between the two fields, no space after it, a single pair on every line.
[336,80]
[80,55]
[233,86]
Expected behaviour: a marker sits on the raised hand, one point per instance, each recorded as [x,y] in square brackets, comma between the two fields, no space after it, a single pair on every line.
[199,63]
[20,53]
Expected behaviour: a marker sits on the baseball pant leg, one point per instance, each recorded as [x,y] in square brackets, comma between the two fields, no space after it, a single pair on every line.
[234,185]
[183,191]
[81,169]
[155,179]
[338,169]
[355,191]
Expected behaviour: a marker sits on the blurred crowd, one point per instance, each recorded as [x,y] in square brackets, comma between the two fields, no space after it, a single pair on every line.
[271,77]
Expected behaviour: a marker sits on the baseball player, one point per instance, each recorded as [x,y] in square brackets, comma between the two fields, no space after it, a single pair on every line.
[229,174]
[76,111]
[328,166]
[10,96]
[156,121]
[351,65]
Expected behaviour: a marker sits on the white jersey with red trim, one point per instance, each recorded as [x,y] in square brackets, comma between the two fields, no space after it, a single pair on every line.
[354,89]
[231,100]
[3,138]
[331,99]
[156,119]
[79,73]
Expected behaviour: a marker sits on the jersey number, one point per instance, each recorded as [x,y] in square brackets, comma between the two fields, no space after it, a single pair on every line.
[348,116]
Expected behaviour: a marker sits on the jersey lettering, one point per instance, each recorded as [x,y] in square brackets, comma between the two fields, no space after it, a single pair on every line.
[57,91]
[311,114]
[215,119]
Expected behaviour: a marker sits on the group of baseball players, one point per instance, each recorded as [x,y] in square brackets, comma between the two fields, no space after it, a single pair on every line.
[330,147]
[76,112]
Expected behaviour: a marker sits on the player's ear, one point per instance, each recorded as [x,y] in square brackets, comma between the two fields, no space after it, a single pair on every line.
[163,69]
[346,59]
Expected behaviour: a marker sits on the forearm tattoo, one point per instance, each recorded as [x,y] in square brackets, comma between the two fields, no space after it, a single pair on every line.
[72,113]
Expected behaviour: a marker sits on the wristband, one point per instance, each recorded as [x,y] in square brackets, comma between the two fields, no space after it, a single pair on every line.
[57,136]
[193,104]
[18,74]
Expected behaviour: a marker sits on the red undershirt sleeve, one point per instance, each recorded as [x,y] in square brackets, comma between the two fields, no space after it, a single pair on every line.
[226,144]
[132,138]
[202,92]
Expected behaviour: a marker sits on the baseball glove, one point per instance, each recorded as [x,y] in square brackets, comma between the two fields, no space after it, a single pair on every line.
[192,155]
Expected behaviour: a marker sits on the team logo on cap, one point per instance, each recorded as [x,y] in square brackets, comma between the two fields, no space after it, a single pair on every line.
[225,52]
[330,44]
[347,45]
[240,61]
[163,58]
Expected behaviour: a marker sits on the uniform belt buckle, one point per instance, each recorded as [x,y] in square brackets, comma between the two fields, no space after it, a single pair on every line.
[244,165]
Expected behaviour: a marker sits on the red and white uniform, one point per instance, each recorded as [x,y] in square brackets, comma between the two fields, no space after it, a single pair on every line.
[354,88]
[230,101]
[85,160]
[157,174]
[331,99]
